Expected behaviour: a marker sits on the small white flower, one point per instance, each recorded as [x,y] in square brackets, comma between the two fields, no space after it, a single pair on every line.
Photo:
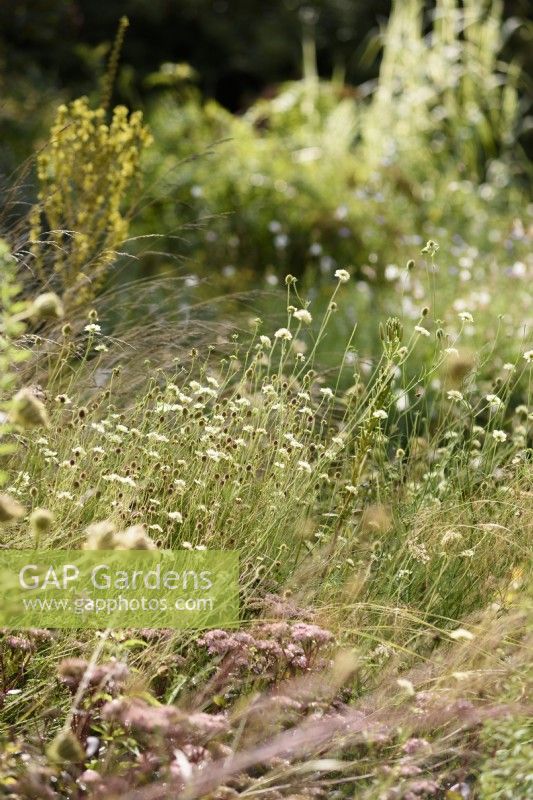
[64,496]
[431,247]
[350,489]
[327,392]
[452,351]
[304,466]
[303,315]
[92,327]
[422,330]
[508,367]
[293,440]
[380,414]
[465,316]
[494,401]
[343,275]
[157,437]
[214,455]
[269,390]
[124,480]
[499,436]
[528,356]
[453,394]
[283,333]
[163,408]
[265,341]
[175,515]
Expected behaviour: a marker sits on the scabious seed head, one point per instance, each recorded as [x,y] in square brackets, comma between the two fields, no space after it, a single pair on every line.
[134,538]
[100,536]
[41,520]
[47,306]
[10,509]
[65,749]
[27,411]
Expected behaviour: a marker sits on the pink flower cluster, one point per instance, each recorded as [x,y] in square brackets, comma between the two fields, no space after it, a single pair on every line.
[71,672]
[269,648]
[188,728]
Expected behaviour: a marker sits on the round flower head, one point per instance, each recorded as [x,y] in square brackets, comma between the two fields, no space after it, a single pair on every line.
[41,520]
[420,329]
[47,306]
[431,248]
[494,401]
[100,536]
[528,356]
[27,411]
[283,333]
[499,436]
[303,315]
[93,327]
[65,749]
[343,275]
[134,538]
[10,509]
